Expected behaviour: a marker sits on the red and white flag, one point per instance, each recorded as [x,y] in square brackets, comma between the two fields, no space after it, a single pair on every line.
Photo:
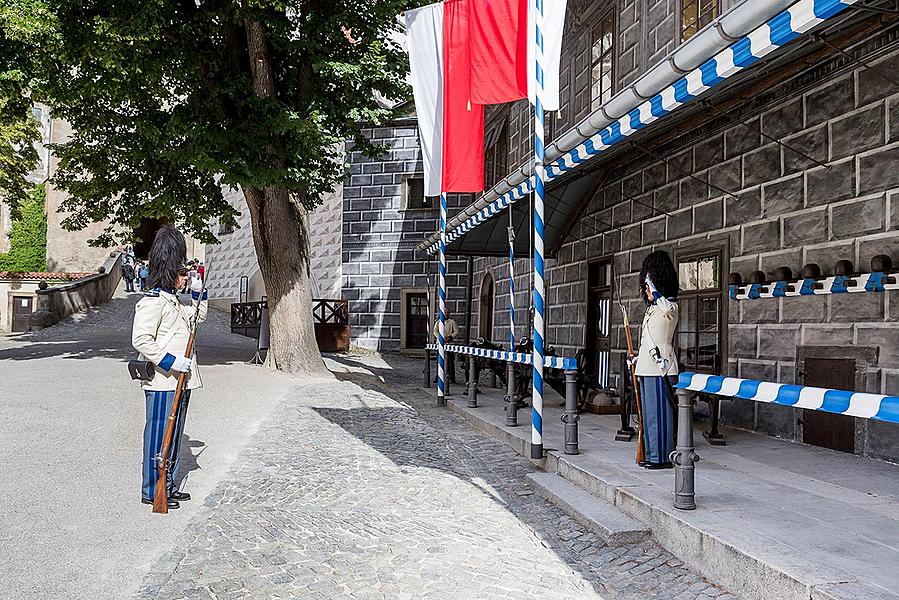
[464,54]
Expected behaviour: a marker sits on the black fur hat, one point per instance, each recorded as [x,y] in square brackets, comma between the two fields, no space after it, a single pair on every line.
[167,256]
[660,268]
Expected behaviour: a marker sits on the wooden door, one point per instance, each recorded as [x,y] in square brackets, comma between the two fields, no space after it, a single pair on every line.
[21,311]
[598,340]
[416,320]
[485,309]
[824,429]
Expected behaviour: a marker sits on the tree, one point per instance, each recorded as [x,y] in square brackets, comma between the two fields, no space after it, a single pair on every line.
[19,31]
[170,100]
[28,238]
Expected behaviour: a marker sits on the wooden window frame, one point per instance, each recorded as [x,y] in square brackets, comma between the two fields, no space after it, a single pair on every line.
[696,252]
[610,12]
[718,6]
[404,199]
[496,137]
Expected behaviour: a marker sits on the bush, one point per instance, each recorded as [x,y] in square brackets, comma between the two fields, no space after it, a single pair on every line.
[28,238]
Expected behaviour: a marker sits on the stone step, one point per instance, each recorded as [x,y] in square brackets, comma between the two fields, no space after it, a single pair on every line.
[748,555]
[613,526]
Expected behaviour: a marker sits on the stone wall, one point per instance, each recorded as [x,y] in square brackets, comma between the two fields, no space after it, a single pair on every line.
[379,240]
[59,301]
[234,256]
[767,205]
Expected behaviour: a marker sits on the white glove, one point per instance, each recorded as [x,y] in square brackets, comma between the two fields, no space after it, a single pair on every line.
[196,284]
[181,364]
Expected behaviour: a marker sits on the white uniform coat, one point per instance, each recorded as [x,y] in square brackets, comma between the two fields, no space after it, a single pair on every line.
[162,327]
[659,324]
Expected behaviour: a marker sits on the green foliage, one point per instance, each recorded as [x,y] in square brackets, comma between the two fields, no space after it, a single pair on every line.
[19,32]
[28,238]
[165,108]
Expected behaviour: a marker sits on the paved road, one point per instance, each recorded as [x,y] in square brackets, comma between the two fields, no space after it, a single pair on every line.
[354,486]
[359,488]
[71,425]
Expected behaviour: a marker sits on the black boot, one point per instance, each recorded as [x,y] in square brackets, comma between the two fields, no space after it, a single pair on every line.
[172,503]
[180,496]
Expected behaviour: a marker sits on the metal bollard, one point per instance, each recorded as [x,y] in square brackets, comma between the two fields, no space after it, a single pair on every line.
[511,400]
[427,368]
[570,418]
[493,383]
[684,455]
[472,382]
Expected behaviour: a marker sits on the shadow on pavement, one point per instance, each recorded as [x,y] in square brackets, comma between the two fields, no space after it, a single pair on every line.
[105,332]
[455,449]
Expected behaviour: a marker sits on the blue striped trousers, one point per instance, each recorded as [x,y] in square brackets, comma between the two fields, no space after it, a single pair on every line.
[159,405]
[658,419]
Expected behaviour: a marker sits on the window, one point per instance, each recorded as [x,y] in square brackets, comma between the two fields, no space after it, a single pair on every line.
[601,55]
[414,195]
[696,14]
[225,229]
[496,153]
[699,337]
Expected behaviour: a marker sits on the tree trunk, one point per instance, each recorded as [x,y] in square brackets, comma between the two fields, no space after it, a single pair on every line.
[281,238]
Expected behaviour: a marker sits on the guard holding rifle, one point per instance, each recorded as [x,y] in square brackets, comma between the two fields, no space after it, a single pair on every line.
[161,332]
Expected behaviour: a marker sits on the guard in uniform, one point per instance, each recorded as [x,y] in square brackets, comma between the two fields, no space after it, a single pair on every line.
[162,327]
[657,360]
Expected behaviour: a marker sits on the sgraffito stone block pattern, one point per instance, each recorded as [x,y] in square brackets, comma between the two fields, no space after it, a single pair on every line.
[828,192]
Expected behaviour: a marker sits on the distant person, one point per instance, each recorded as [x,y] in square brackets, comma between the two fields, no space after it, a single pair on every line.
[143,273]
[128,275]
[201,270]
[451,332]
[162,327]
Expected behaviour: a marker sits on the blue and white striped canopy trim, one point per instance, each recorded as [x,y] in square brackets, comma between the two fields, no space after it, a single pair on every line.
[743,53]
[838,284]
[550,362]
[841,402]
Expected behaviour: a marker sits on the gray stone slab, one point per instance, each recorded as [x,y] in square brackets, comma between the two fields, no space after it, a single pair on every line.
[774,519]
[600,517]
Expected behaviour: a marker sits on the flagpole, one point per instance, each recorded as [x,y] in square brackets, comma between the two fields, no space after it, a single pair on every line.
[539,288]
[441,298]
[511,282]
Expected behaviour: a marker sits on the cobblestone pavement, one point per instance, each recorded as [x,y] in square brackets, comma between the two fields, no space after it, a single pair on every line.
[359,488]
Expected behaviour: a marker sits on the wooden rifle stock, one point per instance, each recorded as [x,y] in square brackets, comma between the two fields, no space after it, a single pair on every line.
[641,451]
[161,497]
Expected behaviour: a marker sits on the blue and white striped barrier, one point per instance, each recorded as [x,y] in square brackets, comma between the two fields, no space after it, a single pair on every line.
[841,402]
[743,53]
[550,362]
[837,284]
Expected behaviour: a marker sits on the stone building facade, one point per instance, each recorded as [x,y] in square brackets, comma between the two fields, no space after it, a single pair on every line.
[233,269]
[383,279]
[798,165]
[363,240]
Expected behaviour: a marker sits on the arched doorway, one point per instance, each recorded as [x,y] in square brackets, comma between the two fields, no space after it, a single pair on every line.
[485,308]
[146,233]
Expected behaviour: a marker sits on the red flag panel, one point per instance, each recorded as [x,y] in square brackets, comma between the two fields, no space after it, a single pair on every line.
[463,121]
[498,36]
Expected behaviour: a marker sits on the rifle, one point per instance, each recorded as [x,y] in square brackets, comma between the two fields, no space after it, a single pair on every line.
[641,451]
[160,497]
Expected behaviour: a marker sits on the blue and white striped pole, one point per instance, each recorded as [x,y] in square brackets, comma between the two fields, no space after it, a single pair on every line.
[511,282]
[441,299]
[539,288]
